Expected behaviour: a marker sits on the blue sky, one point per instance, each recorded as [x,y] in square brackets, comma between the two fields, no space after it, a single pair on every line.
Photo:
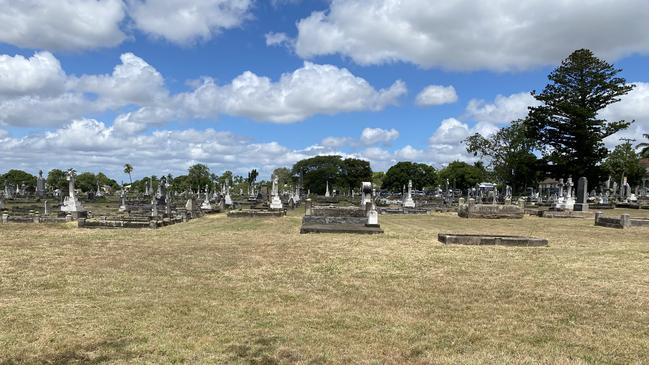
[241,84]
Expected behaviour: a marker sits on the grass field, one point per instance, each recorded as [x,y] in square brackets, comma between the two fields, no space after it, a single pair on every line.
[218,290]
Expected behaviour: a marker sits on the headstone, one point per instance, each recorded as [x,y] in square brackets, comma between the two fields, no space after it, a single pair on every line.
[122,206]
[327,191]
[154,207]
[408,202]
[71,203]
[582,196]
[366,191]
[45,210]
[276,202]
[40,185]
[372,215]
[227,199]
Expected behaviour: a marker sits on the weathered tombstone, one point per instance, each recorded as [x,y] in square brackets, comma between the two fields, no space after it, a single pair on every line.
[276,202]
[45,210]
[40,184]
[366,191]
[71,203]
[408,202]
[373,215]
[582,196]
[327,191]
[154,207]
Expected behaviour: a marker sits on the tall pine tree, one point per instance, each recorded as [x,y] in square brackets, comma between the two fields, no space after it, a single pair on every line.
[567,125]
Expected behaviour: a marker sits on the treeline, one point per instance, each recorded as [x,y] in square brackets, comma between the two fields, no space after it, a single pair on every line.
[56,179]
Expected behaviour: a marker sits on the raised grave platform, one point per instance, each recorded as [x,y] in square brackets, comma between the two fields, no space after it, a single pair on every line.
[478,239]
[490,211]
[252,213]
[340,228]
[624,221]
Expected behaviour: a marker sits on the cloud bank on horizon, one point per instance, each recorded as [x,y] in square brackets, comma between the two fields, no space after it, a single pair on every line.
[404,68]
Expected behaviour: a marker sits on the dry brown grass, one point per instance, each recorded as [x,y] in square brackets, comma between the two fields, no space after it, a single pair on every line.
[219,290]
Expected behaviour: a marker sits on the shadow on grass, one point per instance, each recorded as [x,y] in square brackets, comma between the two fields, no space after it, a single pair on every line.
[93,353]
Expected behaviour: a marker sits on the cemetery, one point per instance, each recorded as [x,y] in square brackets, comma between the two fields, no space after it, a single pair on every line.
[521,241]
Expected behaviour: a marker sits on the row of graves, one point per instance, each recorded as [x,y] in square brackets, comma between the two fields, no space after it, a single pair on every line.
[323,216]
[561,203]
[151,210]
[264,205]
[21,206]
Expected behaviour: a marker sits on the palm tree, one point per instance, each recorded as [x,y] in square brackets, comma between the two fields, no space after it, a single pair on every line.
[127,170]
[645,147]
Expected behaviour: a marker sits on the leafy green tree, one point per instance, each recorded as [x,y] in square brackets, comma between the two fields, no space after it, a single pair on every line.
[102,179]
[397,176]
[56,179]
[284,177]
[180,183]
[377,179]
[624,161]
[462,175]
[354,172]
[199,176]
[128,169]
[19,177]
[644,152]
[226,178]
[86,182]
[316,171]
[510,155]
[567,124]
[252,176]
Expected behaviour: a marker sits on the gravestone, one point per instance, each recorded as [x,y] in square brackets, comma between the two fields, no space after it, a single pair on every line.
[71,203]
[582,196]
[327,195]
[276,202]
[40,185]
[409,203]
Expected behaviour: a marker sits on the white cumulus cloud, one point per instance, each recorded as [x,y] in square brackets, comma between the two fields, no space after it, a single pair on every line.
[474,34]
[61,24]
[436,95]
[184,22]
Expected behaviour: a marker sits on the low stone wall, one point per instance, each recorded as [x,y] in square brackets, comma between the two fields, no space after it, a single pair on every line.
[403,211]
[476,239]
[624,221]
[251,213]
[97,223]
[333,211]
[566,214]
[318,219]
[7,218]
[490,211]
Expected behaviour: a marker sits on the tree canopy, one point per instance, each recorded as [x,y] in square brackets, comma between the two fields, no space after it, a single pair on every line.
[343,174]
[510,155]
[20,177]
[624,161]
[462,175]
[397,176]
[567,124]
